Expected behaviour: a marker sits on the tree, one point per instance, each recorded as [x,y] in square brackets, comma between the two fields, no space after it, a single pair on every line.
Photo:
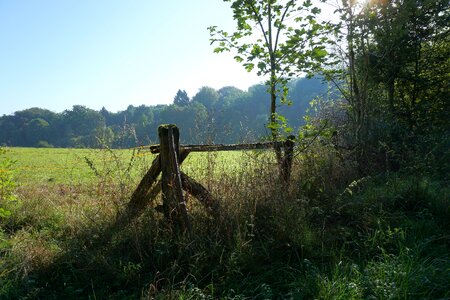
[208,97]
[282,39]
[228,95]
[187,118]
[36,130]
[80,123]
[410,56]
[181,98]
[356,74]
[395,74]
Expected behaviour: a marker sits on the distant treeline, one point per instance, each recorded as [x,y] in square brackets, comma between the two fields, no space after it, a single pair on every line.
[222,116]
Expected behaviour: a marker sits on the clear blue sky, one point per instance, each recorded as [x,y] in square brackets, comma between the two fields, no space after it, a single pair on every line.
[58,53]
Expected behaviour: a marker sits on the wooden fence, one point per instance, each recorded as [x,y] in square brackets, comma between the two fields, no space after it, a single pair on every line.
[173,181]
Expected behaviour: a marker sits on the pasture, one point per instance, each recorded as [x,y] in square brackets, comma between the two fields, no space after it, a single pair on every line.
[326,236]
[77,166]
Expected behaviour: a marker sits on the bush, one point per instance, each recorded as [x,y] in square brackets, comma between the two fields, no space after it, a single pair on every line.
[7,185]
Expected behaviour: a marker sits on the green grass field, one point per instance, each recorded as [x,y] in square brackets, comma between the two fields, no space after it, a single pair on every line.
[76,166]
[40,165]
[326,236]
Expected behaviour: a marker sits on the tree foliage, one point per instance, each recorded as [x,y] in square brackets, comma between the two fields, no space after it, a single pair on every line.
[181,98]
[395,79]
[280,39]
[223,116]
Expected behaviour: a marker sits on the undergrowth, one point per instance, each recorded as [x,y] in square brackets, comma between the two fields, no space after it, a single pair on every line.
[330,235]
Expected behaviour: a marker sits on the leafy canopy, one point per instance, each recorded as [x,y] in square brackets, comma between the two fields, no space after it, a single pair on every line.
[274,36]
[281,39]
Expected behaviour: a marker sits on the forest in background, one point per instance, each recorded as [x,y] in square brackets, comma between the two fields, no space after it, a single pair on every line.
[227,115]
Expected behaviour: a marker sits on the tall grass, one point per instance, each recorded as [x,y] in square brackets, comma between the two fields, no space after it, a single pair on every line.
[329,235]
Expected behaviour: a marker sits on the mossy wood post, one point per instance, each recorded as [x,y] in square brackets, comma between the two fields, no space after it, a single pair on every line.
[174,203]
[286,163]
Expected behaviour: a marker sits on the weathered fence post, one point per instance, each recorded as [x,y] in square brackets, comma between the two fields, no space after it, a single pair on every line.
[288,158]
[174,203]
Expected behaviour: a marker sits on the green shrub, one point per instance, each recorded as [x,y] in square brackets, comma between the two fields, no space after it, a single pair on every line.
[7,185]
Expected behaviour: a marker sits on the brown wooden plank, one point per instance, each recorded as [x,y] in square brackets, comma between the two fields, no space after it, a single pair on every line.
[223,147]
[197,190]
[139,198]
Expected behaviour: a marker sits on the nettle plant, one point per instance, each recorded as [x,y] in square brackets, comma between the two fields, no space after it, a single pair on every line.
[7,185]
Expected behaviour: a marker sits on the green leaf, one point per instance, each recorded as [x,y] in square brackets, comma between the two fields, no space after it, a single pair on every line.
[4,213]
[315,10]
[249,67]
[307,3]
[262,66]
[319,52]
[274,126]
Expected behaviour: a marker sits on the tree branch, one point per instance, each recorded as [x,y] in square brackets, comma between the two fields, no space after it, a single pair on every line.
[281,22]
[259,21]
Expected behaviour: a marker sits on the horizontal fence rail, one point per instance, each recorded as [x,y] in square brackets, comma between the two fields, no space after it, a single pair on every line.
[224,147]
